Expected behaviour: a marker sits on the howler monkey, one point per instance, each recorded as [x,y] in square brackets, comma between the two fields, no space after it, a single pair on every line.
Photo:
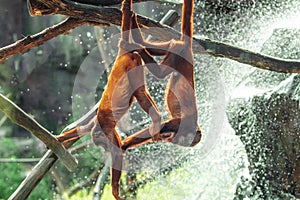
[182,127]
[126,82]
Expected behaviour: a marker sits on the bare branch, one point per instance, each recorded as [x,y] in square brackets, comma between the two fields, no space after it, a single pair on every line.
[219,49]
[92,14]
[102,178]
[201,45]
[116,2]
[37,173]
[81,146]
[105,2]
[19,160]
[84,12]
[57,179]
[18,116]
[35,40]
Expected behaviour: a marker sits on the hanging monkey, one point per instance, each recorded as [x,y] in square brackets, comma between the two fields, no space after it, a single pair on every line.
[126,82]
[182,128]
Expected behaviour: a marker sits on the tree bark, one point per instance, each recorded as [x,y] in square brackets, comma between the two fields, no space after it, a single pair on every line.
[28,42]
[106,15]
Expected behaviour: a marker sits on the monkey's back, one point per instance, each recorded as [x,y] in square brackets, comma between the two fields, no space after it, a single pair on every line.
[117,95]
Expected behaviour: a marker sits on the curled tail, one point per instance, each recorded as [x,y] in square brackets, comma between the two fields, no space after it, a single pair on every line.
[187,21]
[126,19]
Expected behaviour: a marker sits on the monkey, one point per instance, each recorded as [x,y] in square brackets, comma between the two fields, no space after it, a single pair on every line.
[126,82]
[182,128]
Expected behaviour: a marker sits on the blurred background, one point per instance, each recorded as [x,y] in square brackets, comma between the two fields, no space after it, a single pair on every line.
[249,117]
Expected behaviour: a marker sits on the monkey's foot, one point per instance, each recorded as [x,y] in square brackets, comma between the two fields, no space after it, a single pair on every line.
[168,136]
[157,138]
[60,138]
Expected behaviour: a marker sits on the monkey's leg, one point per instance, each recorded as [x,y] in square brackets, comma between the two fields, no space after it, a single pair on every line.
[76,132]
[136,78]
[104,133]
[116,168]
[144,136]
[117,161]
[156,49]
[139,138]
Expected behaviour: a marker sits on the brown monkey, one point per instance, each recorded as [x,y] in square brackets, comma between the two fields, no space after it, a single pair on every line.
[126,82]
[180,91]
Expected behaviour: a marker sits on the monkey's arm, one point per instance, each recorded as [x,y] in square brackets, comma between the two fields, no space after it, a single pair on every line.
[156,49]
[148,105]
[136,79]
[143,136]
[158,70]
[77,132]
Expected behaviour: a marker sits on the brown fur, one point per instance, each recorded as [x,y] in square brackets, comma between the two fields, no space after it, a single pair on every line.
[180,91]
[125,83]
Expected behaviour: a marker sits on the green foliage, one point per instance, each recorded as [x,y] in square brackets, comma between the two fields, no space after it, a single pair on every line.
[89,159]
[10,178]
[43,190]
[82,194]
[12,174]
[107,193]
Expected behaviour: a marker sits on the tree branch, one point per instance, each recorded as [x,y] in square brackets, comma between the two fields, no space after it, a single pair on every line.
[219,49]
[37,173]
[19,160]
[83,11]
[18,116]
[116,2]
[93,14]
[105,2]
[201,45]
[35,40]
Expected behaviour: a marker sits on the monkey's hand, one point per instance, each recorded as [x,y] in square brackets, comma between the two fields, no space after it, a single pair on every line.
[169,137]
[133,15]
[60,138]
[130,47]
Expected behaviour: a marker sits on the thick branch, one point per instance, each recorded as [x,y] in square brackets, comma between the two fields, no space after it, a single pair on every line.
[116,2]
[40,170]
[37,173]
[84,12]
[218,49]
[18,116]
[105,2]
[107,15]
[35,40]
